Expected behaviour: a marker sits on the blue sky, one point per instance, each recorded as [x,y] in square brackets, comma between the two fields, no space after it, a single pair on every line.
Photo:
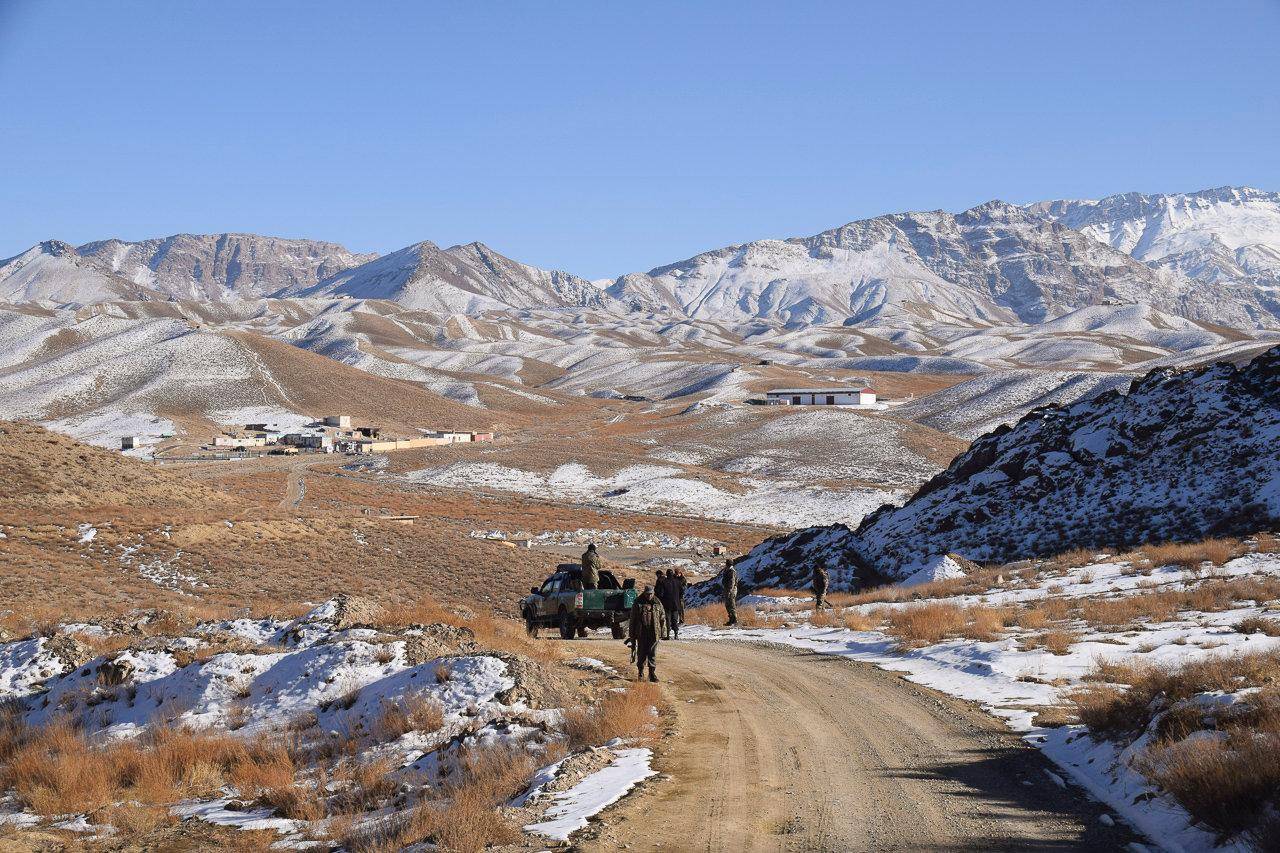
[605,138]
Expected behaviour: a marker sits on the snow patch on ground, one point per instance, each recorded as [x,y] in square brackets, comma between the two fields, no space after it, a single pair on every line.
[572,808]
[653,488]
[106,428]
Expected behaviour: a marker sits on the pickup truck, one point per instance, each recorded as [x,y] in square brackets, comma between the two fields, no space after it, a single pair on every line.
[558,603]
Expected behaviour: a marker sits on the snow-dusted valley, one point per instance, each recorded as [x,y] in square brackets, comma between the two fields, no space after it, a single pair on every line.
[1061,505]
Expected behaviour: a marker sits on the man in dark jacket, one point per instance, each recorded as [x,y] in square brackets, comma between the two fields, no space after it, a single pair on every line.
[820,581]
[729,586]
[682,585]
[671,596]
[590,567]
[647,625]
[661,593]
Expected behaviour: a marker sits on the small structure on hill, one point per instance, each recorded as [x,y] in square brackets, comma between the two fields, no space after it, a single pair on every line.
[835,395]
[129,442]
[339,421]
[239,441]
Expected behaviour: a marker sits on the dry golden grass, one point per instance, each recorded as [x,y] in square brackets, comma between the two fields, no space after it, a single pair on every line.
[1124,698]
[624,714]
[1231,783]
[413,712]
[1074,558]
[465,817]
[1259,625]
[1056,640]
[55,770]
[707,614]
[1192,555]
[1055,716]
[1209,596]
[933,622]
[926,624]
[362,785]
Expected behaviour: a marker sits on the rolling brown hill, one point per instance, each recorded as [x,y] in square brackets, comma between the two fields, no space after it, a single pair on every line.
[45,472]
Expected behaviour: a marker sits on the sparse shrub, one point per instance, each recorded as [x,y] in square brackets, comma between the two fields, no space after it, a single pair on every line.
[1259,625]
[1031,618]
[466,816]
[986,623]
[1075,558]
[925,624]
[1229,783]
[825,619]
[1125,697]
[414,711]
[1059,642]
[626,714]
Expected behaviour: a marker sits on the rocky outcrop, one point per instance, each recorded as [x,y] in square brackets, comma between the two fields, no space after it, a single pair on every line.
[428,642]
[221,266]
[1182,455]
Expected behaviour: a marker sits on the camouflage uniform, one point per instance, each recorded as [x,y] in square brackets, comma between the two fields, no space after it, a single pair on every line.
[648,622]
[590,568]
[820,580]
[729,586]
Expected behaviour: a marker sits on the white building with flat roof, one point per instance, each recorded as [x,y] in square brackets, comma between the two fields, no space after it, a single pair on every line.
[836,395]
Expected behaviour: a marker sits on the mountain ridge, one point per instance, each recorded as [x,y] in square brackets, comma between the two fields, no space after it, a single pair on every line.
[1212,255]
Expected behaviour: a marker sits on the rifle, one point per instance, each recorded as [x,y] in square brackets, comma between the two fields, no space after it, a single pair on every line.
[631,644]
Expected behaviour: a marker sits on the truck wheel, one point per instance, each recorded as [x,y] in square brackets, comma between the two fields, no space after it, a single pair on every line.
[567,627]
[531,624]
[617,631]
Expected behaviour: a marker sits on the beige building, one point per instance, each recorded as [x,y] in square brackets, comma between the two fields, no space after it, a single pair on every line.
[240,441]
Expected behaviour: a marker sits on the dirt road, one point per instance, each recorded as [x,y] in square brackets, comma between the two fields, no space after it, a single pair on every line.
[783,750]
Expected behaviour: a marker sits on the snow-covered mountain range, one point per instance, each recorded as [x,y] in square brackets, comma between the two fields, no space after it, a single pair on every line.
[468,279]
[1222,246]
[208,267]
[1211,256]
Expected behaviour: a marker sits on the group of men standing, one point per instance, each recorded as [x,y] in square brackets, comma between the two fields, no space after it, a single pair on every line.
[658,611]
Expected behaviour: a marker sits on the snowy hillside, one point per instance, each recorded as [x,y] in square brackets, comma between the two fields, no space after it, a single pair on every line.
[466,279]
[207,267]
[53,272]
[221,266]
[996,263]
[1227,240]
[1182,455]
[326,731]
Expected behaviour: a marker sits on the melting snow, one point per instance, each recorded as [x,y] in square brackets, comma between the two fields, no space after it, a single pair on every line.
[572,808]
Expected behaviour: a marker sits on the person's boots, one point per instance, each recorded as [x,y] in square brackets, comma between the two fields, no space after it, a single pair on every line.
[640,672]
[653,676]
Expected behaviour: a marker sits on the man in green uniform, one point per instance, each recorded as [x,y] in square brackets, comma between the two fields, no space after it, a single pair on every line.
[648,623]
[591,567]
[820,580]
[729,586]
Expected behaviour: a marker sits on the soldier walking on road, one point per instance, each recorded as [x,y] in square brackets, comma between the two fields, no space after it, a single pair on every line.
[648,623]
[729,586]
[820,580]
[590,567]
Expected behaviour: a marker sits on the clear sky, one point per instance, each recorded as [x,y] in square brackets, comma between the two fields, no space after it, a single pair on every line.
[603,137]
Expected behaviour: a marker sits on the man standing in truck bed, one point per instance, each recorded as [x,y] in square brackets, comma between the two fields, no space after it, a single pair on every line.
[648,623]
[591,567]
